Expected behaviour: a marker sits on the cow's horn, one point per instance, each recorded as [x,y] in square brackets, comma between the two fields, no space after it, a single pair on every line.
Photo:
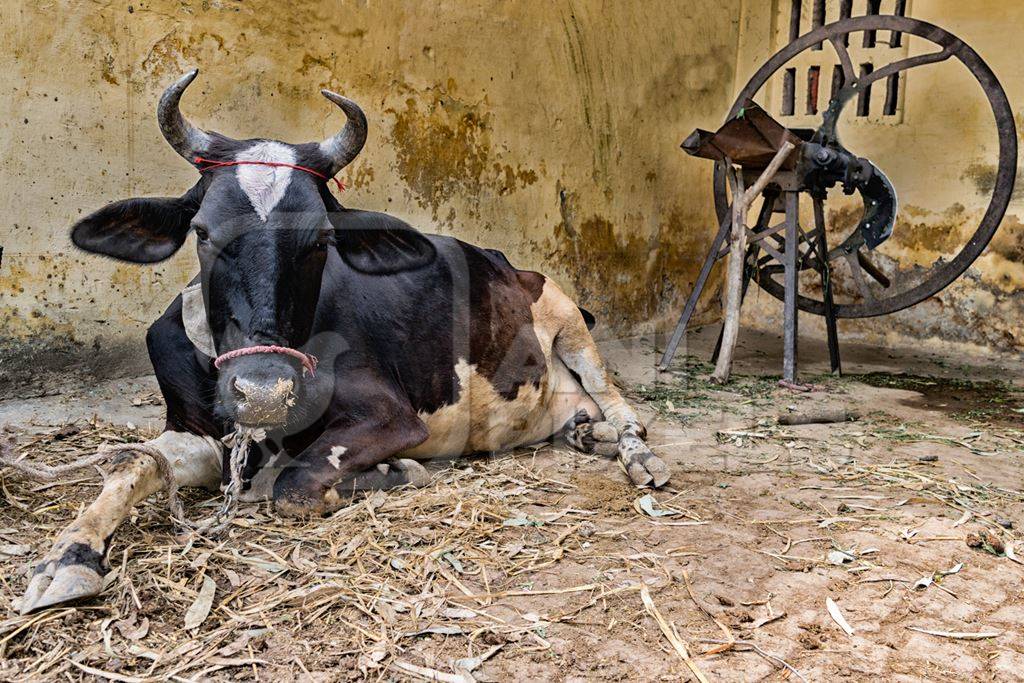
[186,139]
[343,147]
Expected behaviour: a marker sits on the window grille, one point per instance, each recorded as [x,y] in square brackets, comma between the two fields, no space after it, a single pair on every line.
[803,90]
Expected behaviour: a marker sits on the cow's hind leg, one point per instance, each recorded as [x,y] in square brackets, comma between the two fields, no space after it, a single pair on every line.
[577,350]
[75,566]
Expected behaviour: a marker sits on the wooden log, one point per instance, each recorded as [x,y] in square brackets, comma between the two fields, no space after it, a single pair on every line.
[819,416]
[741,201]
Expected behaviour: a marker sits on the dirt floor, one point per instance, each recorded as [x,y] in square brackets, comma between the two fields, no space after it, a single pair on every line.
[546,565]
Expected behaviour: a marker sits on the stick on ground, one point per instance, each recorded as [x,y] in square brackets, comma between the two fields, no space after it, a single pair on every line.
[666,628]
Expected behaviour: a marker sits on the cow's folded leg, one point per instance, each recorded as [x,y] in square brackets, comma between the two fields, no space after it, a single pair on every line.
[577,350]
[352,448]
[389,474]
[75,565]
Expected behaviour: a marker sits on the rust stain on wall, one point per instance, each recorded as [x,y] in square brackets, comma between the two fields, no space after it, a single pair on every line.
[444,150]
[923,231]
[127,278]
[1009,240]
[14,278]
[626,275]
[979,308]
[171,55]
[982,176]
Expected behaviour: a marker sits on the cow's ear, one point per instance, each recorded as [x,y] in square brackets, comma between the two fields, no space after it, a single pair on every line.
[391,247]
[378,244]
[141,230]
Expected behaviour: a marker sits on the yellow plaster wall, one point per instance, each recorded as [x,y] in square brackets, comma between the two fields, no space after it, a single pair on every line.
[546,129]
[549,130]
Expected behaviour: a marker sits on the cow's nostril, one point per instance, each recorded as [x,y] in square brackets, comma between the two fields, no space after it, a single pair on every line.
[241,388]
[263,403]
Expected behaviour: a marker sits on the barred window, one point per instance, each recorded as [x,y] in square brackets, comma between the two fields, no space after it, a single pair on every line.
[811,80]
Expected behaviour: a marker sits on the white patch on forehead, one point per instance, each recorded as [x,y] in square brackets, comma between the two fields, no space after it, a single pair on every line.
[265,185]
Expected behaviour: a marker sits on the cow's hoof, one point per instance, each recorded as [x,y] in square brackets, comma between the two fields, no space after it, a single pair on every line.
[581,437]
[643,467]
[412,472]
[577,432]
[594,437]
[73,574]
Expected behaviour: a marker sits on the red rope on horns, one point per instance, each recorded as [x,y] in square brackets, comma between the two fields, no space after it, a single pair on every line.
[211,163]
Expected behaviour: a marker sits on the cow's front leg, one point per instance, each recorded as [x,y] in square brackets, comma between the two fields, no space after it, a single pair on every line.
[75,565]
[577,350]
[346,457]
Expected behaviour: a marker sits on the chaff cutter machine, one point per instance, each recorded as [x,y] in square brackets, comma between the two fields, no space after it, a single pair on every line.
[778,253]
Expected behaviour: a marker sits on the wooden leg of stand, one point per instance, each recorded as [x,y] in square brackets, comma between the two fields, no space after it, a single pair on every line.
[789,333]
[698,287]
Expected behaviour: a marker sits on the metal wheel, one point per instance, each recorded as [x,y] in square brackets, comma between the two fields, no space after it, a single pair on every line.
[874,294]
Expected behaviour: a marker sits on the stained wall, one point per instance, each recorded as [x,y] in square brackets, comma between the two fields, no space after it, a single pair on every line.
[549,130]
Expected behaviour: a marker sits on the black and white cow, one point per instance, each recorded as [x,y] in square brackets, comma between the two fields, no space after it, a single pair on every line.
[427,346]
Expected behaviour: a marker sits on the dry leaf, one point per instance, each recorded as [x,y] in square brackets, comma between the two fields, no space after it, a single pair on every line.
[14,550]
[200,561]
[233,578]
[1011,554]
[840,557]
[471,663]
[239,643]
[131,631]
[837,616]
[200,609]
[645,504]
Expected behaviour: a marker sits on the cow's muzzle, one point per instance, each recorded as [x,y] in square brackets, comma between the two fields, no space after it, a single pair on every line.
[262,404]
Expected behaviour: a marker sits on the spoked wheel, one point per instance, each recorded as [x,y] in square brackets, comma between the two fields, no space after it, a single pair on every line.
[873,292]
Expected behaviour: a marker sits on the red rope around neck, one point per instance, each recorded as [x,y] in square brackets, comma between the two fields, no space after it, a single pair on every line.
[211,163]
[308,361]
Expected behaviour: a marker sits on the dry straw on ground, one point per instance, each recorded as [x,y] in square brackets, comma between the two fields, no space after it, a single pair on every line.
[547,563]
[405,582]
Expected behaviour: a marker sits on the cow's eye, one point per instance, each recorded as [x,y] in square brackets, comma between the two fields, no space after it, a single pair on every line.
[201,232]
[325,239]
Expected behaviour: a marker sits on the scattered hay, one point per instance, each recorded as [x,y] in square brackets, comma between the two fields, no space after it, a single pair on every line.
[407,582]
[505,567]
